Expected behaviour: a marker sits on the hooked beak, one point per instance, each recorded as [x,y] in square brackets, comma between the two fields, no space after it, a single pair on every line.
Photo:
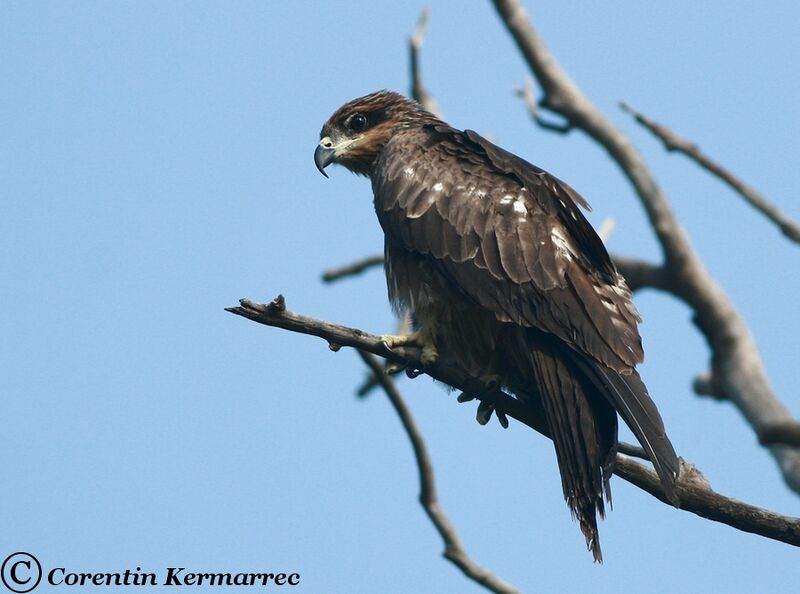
[324,155]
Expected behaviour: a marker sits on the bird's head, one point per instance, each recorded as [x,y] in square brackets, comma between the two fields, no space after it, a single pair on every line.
[356,133]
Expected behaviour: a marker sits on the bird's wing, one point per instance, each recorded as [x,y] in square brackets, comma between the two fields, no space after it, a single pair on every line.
[509,236]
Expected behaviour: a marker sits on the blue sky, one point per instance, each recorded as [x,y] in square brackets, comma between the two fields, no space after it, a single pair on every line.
[157,166]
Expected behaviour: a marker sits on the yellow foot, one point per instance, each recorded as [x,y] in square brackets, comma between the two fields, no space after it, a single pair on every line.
[418,339]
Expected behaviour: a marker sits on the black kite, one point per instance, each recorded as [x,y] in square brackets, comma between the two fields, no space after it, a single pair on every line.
[505,278]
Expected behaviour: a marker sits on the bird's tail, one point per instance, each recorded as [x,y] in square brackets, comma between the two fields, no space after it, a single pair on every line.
[628,395]
[583,427]
[580,399]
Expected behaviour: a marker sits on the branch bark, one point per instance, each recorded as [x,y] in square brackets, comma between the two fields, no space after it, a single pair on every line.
[526,93]
[695,493]
[780,433]
[736,365]
[640,274]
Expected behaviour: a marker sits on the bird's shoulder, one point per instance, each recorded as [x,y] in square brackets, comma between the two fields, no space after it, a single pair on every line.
[508,235]
[466,176]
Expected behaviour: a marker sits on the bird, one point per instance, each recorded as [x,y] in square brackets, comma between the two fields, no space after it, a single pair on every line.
[505,278]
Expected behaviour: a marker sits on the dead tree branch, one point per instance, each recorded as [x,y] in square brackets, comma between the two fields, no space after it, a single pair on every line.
[696,496]
[736,365]
[632,450]
[640,274]
[418,90]
[526,94]
[674,142]
[334,274]
[428,498]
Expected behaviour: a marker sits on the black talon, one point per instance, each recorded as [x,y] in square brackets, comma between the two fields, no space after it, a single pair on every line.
[485,410]
[464,397]
[412,373]
[487,404]
[502,418]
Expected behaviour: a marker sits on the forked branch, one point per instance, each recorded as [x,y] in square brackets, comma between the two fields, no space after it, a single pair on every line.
[674,142]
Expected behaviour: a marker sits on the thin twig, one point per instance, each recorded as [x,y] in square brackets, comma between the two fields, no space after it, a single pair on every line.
[526,93]
[696,496]
[736,365]
[632,450]
[335,274]
[428,498]
[674,142]
[418,90]
[640,274]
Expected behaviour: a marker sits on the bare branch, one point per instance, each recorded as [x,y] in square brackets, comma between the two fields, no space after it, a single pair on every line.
[640,274]
[418,90]
[735,362]
[526,92]
[335,274]
[703,385]
[696,496]
[632,450]
[675,142]
[453,547]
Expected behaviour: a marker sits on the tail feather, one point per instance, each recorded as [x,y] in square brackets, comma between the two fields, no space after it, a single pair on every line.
[581,398]
[584,432]
[628,395]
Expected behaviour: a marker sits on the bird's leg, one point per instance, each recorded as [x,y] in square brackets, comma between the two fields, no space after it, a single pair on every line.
[491,377]
[422,338]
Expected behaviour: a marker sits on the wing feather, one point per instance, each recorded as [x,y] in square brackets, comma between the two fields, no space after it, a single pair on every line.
[491,256]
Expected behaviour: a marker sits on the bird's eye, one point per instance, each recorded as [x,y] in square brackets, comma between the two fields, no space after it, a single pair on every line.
[357,122]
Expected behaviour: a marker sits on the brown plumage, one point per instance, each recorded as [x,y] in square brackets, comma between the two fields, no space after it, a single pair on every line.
[505,277]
